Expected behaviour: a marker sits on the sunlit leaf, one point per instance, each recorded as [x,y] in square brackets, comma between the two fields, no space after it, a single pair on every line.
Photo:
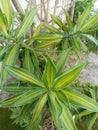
[91,38]
[58,21]
[48,37]
[27,62]
[4,50]
[36,62]
[47,43]
[27,22]
[25,98]
[60,62]
[38,112]
[84,16]
[81,100]
[49,73]
[16,89]
[51,28]
[90,23]
[68,76]
[68,19]
[63,115]
[23,75]
[3,27]
[10,59]
[7,10]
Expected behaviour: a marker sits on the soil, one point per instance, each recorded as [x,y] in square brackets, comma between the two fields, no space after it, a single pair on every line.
[90,73]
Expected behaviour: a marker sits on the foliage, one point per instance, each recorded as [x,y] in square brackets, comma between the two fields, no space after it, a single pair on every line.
[85,115]
[40,79]
[68,34]
[80,6]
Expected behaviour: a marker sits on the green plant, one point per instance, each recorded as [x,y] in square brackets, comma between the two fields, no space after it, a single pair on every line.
[13,39]
[69,35]
[39,79]
[85,115]
[52,89]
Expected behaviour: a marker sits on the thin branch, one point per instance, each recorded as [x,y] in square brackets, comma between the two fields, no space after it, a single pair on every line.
[18,6]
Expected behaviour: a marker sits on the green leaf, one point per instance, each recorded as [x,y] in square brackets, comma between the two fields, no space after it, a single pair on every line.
[81,100]
[91,38]
[67,119]
[58,21]
[49,73]
[22,99]
[47,43]
[84,16]
[3,27]
[27,62]
[91,121]
[62,114]
[7,10]
[27,22]
[35,61]
[10,59]
[60,62]
[68,76]
[23,75]
[51,28]
[36,32]
[76,46]
[83,113]
[82,45]
[90,23]
[48,37]
[34,122]
[14,88]
[68,19]
[5,49]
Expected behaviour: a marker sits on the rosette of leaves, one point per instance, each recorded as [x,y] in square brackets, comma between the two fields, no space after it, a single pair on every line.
[53,89]
[68,34]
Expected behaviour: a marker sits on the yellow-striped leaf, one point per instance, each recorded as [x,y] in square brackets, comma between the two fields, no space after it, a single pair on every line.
[47,43]
[25,98]
[23,75]
[27,22]
[61,113]
[84,16]
[82,45]
[51,28]
[91,38]
[4,50]
[36,32]
[48,37]
[81,100]
[68,19]
[90,23]
[3,27]
[14,88]
[60,62]
[68,76]
[34,122]
[7,10]
[58,21]
[67,119]
[27,62]
[49,73]
[92,120]
[10,59]
[35,62]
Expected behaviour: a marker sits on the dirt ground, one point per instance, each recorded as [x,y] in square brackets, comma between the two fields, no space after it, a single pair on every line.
[90,73]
